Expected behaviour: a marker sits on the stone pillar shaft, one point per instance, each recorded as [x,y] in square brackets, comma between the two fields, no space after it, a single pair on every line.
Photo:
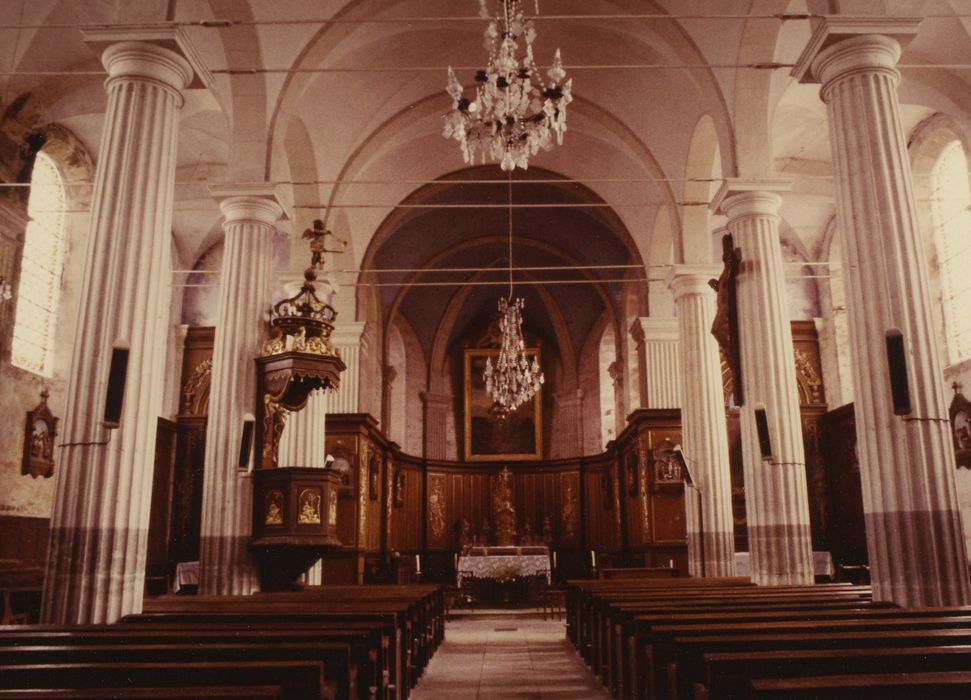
[658,361]
[780,541]
[99,526]
[348,339]
[703,426]
[251,212]
[914,536]
[302,441]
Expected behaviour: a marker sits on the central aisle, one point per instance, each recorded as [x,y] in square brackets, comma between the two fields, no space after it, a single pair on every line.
[502,655]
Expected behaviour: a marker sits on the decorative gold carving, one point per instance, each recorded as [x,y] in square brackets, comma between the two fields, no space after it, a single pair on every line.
[275,344]
[645,498]
[274,507]
[274,418]
[571,510]
[309,513]
[199,378]
[362,489]
[332,510]
[278,342]
[436,506]
[503,510]
[810,385]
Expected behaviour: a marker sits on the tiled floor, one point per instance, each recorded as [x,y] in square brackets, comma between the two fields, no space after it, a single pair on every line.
[506,656]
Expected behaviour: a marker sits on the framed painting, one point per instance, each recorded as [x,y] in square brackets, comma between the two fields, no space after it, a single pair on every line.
[489,438]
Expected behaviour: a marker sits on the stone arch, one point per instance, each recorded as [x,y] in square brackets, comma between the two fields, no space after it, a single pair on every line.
[701,172]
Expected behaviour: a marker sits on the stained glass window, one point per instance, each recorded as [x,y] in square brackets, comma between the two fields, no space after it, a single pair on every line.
[40,274]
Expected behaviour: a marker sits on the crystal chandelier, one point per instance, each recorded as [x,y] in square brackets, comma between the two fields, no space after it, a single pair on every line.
[513,380]
[511,117]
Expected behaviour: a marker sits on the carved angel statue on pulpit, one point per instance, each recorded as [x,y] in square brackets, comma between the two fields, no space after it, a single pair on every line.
[317,237]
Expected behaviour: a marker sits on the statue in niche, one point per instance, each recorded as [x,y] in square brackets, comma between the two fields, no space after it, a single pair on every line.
[547,530]
[503,510]
[39,434]
[527,537]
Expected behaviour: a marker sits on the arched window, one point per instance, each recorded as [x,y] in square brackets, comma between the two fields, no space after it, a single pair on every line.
[951,197]
[40,273]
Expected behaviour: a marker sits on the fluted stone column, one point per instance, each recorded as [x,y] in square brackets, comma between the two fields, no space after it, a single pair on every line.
[776,502]
[436,416]
[302,440]
[99,524]
[703,427]
[251,212]
[658,361]
[349,339]
[914,537]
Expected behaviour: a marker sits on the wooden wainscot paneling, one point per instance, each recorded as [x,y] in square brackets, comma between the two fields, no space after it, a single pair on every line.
[812,406]
[846,529]
[356,438]
[600,489]
[24,538]
[651,489]
[438,516]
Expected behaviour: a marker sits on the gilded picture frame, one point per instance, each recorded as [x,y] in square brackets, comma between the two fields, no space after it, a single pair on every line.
[519,437]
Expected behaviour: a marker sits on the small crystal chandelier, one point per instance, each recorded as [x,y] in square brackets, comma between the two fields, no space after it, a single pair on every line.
[511,117]
[513,380]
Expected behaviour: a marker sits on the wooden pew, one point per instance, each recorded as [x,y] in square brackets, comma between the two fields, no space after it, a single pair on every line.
[252,692]
[729,675]
[413,618]
[335,659]
[608,654]
[363,639]
[641,636]
[300,680]
[687,649]
[952,685]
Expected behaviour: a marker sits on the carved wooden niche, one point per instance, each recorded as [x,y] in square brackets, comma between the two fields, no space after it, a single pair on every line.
[960,413]
[667,467]
[39,434]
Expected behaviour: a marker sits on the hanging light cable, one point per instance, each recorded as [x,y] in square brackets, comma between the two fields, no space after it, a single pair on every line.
[513,380]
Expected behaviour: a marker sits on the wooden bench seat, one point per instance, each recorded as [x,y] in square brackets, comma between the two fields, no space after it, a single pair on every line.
[340,672]
[729,675]
[251,692]
[689,651]
[368,646]
[952,685]
[299,680]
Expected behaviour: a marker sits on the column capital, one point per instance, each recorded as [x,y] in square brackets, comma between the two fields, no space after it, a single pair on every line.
[685,280]
[149,51]
[347,333]
[258,202]
[431,399]
[841,44]
[744,197]
[654,328]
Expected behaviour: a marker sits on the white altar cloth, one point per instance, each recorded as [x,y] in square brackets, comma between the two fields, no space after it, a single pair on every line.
[501,565]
